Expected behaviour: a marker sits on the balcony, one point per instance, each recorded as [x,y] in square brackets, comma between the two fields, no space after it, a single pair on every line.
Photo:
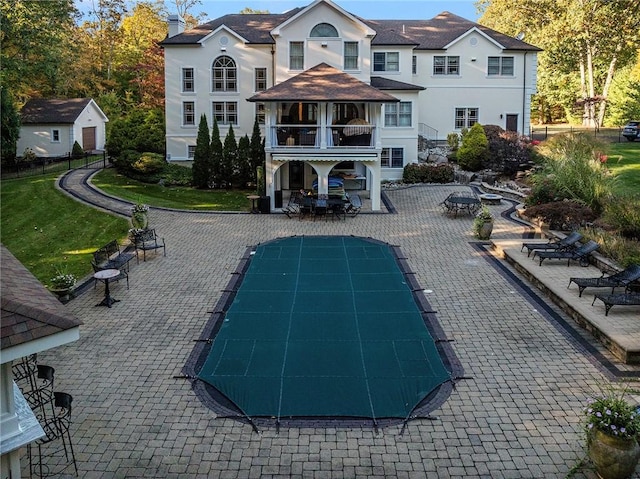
[357,136]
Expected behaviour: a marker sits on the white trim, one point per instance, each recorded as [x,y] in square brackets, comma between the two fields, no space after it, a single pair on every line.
[479,32]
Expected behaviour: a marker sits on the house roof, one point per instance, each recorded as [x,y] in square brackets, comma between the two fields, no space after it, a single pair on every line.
[41,110]
[433,34]
[382,83]
[28,311]
[323,83]
[437,33]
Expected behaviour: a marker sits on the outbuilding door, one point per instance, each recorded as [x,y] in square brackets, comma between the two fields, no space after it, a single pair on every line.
[512,123]
[89,138]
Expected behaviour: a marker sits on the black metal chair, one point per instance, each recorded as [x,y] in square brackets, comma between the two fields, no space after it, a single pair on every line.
[147,240]
[622,299]
[56,427]
[580,254]
[566,243]
[41,392]
[320,208]
[616,280]
[294,204]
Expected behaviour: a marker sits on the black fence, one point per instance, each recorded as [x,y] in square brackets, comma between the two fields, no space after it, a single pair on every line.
[612,135]
[44,166]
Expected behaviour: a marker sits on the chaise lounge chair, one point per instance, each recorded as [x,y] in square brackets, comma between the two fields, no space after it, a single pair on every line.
[580,254]
[617,280]
[564,244]
[623,299]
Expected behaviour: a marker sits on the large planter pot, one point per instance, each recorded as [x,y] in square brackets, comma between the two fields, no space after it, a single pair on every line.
[63,294]
[613,457]
[484,230]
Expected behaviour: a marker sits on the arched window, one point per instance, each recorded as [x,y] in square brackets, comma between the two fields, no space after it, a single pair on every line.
[324,30]
[225,75]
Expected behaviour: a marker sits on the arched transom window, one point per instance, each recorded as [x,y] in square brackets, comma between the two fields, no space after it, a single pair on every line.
[324,30]
[225,75]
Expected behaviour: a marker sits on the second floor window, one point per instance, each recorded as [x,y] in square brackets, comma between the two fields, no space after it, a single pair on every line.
[261,79]
[414,65]
[466,117]
[225,75]
[386,62]
[188,113]
[296,55]
[350,55]
[225,112]
[397,114]
[324,30]
[500,66]
[188,80]
[445,65]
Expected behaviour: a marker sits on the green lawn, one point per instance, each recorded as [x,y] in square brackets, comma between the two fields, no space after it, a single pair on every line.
[110,181]
[624,162]
[49,231]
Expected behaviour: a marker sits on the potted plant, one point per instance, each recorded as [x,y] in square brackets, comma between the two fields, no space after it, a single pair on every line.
[139,218]
[612,426]
[62,284]
[483,224]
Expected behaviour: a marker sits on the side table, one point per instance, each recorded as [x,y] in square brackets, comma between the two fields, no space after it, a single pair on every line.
[254,207]
[106,275]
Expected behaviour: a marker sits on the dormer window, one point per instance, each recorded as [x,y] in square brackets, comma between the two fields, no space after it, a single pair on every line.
[324,30]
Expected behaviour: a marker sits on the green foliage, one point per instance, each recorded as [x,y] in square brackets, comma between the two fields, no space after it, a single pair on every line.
[10,131]
[453,140]
[176,175]
[256,150]
[138,130]
[566,215]
[573,169]
[426,173]
[202,167]
[624,100]
[622,250]
[244,162]
[229,158]
[622,212]
[508,151]
[216,155]
[149,164]
[76,150]
[473,151]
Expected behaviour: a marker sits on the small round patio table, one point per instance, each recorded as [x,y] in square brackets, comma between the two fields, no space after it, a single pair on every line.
[253,198]
[106,275]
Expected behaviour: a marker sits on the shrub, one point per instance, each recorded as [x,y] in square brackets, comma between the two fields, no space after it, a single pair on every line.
[76,150]
[508,152]
[176,175]
[473,151]
[543,190]
[453,140]
[425,173]
[623,251]
[623,214]
[149,164]
[562,215]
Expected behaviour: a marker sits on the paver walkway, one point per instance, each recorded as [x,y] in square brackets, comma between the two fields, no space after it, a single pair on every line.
[517,416]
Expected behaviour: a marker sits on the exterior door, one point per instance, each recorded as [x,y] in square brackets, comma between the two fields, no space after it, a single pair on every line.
[89,138]
[296,175]
[512,123]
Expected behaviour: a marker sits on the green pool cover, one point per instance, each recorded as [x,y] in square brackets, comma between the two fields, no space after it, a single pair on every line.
[324,326]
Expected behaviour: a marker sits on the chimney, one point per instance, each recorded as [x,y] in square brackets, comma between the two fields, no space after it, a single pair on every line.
[176,25]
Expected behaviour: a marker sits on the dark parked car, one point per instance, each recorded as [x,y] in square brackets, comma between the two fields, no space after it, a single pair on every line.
[631,130]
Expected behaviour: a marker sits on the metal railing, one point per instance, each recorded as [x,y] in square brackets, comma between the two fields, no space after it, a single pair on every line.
[44,166]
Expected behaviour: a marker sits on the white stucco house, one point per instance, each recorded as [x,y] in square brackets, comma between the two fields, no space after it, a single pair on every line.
[50,127]
[336,93]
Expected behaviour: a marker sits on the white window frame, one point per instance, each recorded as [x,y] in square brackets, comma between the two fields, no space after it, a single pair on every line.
[186,80]
[397,114]
[498,68]
[261,113]
[351,60]
[296,59]
[414,65]
[191,152]
[390,59]
[446,65]
[225,112]
[186,113]
[466,117]
[260,75]
[224,78]
[387,156]
[55,135]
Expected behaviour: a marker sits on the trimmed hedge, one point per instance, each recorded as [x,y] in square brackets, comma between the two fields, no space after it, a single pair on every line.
[426,173]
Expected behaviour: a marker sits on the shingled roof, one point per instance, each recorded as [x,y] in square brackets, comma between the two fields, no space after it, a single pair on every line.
[323,83]
[41,110]
[382,83]
[28,311]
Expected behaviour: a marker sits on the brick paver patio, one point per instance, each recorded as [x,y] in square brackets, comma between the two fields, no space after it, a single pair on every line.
[517,416]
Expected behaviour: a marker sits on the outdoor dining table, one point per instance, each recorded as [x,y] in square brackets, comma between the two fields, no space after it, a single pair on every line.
[455,203]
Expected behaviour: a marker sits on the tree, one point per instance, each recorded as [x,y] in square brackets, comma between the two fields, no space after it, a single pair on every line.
[229,158]
[474,148]
[256,151]
[202,156]
[216,155]
[624,101]
[244,162]
[10,121]
[603,38]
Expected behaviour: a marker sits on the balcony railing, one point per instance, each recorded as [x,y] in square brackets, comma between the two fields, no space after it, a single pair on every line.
[309,136]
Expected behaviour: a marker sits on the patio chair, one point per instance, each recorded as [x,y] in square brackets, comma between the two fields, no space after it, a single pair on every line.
[617,280]
[147,240]
[566,243]
[320,208]
[123,275]
[354,206]
[293,207]
[620,299]
[580,254]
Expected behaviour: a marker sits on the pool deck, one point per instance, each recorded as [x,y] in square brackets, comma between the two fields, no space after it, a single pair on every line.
[529,368]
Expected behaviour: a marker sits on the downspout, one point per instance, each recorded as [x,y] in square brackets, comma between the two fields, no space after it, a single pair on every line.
[524,93]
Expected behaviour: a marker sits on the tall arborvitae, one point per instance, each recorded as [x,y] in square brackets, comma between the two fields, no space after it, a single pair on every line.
[244,163]
[202,156]
[229,157]
[216,155]
[256,150]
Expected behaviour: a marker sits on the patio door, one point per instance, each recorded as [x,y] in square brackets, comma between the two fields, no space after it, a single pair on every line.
[296,175]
